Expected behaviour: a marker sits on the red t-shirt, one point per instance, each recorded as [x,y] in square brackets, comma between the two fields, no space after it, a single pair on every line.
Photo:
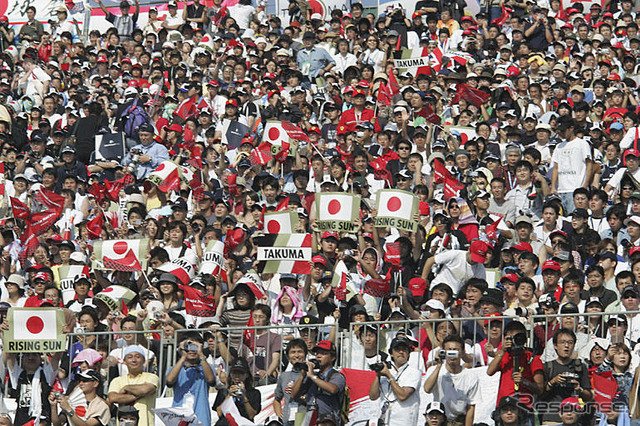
[529,365]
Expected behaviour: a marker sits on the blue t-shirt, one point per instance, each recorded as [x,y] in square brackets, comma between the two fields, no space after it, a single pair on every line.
[191,379]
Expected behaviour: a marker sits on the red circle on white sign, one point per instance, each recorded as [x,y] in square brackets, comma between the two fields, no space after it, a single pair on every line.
[273,227]
[394,204]
[35,324]
[334,206]
[274,133]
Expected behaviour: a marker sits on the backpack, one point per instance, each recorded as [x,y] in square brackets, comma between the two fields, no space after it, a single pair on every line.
[133,117]
[344,397]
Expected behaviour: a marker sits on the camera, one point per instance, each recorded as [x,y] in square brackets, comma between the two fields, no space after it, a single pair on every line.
[518,342]
[348,252]
[524,312]
[300,367]
[196,228]
[58,394]
[135,154]
[80,330]
[378,366]
[190,347]
[452,354]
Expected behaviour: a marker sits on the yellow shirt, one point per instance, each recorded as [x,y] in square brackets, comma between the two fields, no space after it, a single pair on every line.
[144,405]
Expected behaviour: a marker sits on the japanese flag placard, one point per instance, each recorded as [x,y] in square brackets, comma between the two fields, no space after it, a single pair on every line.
[34,330]
[396,209]
[121,255]
[336,211]
[280,222]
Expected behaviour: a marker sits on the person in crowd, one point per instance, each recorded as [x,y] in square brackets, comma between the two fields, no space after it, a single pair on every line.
[397,382]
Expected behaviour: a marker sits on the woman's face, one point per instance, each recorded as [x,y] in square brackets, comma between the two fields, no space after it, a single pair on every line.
[249,202]
[152,228]
[285,301]
[620,359]
[454,210]
[370,260]
[242,297]
[166,288]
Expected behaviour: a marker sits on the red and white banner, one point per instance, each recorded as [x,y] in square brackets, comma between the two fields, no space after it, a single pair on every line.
[166,177]
[198,305]
[181,268]
[231,413]
[280,222]
[213,259]
[121,255]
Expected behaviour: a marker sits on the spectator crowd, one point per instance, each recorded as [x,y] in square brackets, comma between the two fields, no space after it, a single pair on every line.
[140,164]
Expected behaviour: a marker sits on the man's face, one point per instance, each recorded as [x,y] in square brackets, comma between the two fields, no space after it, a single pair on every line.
[509,415]
[296,354]
[453,346]
[564,347]
[146,138]
[134,361]
[325,358]
[400,355]
[270,193]
[630,301]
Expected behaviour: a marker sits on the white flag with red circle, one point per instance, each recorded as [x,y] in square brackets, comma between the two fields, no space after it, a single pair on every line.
[337,211]
[121,255]
[396,209]
[280,222]
[34,330]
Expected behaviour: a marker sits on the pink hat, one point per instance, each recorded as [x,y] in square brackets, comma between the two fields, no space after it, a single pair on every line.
[90,356]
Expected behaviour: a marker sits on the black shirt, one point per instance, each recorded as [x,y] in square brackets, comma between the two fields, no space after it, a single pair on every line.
[253,395]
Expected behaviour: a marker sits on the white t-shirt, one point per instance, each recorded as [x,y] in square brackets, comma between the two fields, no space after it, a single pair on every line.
[174,253]
[456,391]
[456,270]
[407,412]
[571,160]
[174,20]
[242,13]
[614,182]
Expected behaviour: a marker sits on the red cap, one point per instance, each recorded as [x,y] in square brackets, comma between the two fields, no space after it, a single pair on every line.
[424,208]
[478,250]
[319,259]
[511,277]
[571,402]
[613,77]
[342,130]
[126,61]
[314,129]
[215,83]
[607,15]
[35,267]
[4,18]
[466,18]
[370,235]
[232,102]
[325,345]
[573,10]
[174,127]
[418,286]
[102,59]
[359,92]
[632,152]
[522,246]
[330,234]
[490,318]
[363,83]
[272,93]
[633,250]
[348,89]
[42,276]
[558,232]
[550,265]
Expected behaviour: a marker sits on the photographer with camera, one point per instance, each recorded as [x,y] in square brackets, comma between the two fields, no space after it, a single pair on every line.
[522,371]
[566,377]
[192,375]
[97,411]
[398,383]
[455,387]
[147,155]
[284,405]
[239,387]
[325,384]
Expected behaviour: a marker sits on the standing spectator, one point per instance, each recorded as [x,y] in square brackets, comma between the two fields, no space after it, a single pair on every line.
[455,387]
[97,411]
[326,386]
[138,388]
[572,163]
[32,30]
[192,374]
[124,23]
[566,376]
[239,387]
[398,383]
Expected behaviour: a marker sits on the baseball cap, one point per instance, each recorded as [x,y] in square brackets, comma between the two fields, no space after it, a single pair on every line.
[239,364]
[89,376]
[330,234]
[550,265]
[319,259]
[435,407]
[325,345]
[401,341]
[417,286]
[478,250]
